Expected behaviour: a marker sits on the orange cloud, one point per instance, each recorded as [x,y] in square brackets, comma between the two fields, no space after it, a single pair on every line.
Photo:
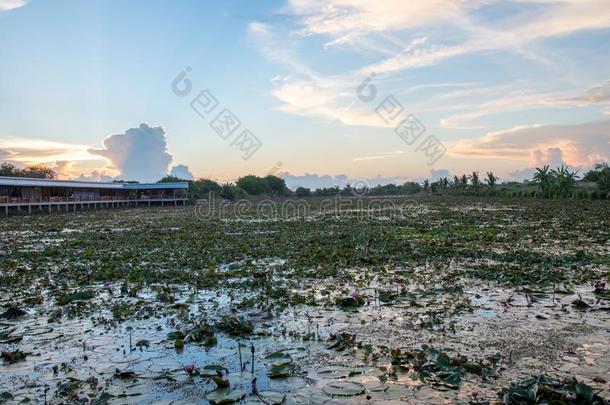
[576,145]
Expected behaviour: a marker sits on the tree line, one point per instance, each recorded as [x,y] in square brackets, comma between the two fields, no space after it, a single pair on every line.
[560,182]
[35,172]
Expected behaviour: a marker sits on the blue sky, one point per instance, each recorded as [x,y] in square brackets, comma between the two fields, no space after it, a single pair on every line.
[501,85]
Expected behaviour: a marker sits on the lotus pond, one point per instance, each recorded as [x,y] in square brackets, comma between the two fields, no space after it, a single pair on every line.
[449,301]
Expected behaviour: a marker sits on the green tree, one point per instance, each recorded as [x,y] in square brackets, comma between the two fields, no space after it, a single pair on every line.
[600,175]
[276,185]
[36,171]
[327,191]
[202,188]
[9,170]
[411,187]
[475,180]
[564,180]
[544,178]
[171,179]
[491,181]
[464,181]
[253,185]
[231,192]
[302,192]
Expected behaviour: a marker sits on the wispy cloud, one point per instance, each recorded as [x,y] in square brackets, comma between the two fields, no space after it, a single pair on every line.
[6,5]
[384,155]
[385,24]
[509,103]
[580,145]
[33,151]
[279,50]
[599,94]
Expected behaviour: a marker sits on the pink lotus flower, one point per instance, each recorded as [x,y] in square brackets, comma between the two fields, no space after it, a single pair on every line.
[190,368]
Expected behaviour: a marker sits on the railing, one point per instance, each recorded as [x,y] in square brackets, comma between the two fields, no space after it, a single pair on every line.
[15,200]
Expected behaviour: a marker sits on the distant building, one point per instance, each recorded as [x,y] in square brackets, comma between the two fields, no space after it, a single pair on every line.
[18,193]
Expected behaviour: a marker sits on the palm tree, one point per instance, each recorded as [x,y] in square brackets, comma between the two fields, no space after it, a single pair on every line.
[602,166]
[564,180]
[544,179]
[464,180]
[475,181]
[603,180]
[491,180]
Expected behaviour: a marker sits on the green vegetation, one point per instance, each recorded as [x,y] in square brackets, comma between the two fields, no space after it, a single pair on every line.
[431,299]
[36,171]
[545,183]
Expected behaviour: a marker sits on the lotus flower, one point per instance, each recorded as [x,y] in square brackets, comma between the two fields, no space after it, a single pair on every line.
[190,368]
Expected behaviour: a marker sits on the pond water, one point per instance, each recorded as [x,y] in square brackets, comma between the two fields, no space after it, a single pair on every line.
[452,302]
[117,345]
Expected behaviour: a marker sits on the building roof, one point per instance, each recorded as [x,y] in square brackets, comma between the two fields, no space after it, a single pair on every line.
[30,182]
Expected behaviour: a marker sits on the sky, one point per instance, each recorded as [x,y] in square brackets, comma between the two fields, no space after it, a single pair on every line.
[319,92]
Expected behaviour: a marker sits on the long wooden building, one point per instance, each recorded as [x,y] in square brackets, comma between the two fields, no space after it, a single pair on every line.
[19,194]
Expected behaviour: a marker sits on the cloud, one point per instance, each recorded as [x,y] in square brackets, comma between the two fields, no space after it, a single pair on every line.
[384,155]
[182,172]
[343,17]
[6,5]
[452,28]
[439,174]
[549,156]
[553,157]
[596,95]
[516,101]
[62,168]
[579,145]
[314,181]
[137,154]
[99,176]
[39,151]
[274,48]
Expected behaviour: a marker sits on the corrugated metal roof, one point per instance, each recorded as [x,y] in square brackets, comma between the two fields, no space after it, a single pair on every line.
[29,182]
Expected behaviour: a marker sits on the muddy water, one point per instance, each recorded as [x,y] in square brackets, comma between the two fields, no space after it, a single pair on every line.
[114,347]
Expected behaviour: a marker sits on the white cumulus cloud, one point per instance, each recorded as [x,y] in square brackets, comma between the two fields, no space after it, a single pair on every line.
[137,154]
